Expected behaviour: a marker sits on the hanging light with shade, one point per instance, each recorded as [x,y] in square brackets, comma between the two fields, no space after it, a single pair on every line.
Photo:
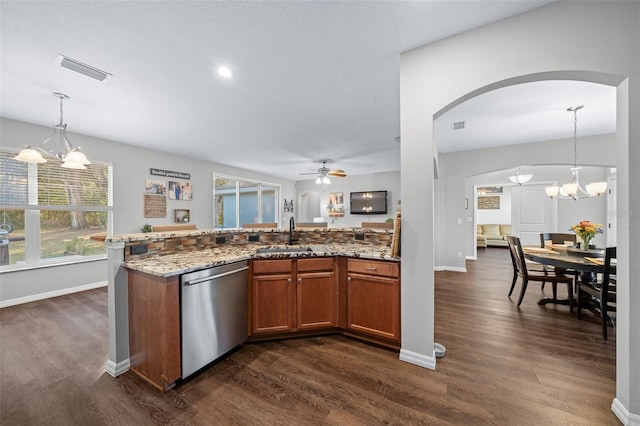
[520,177]
[72,157]
[573,190]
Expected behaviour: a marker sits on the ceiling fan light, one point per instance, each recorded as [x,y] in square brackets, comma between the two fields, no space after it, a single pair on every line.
[30,155]
[318,180]
[326,180]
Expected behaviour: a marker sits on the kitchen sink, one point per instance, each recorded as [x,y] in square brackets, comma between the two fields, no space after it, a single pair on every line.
[283,249]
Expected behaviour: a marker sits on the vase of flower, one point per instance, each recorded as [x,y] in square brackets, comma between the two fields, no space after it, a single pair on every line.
[586,231]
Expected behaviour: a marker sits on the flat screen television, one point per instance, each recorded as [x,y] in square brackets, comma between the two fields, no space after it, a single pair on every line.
[369,202]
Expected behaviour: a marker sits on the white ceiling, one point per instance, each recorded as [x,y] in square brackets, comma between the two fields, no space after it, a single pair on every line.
[313,80]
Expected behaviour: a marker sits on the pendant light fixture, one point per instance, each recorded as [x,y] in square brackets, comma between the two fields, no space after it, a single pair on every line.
[573,190]
[520,177]
[72,157]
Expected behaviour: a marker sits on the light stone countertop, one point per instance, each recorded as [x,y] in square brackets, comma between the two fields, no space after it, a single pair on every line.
[129,238]
[181,263]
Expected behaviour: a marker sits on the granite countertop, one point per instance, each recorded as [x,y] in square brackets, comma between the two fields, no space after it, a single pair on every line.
[181,263]
[128,238]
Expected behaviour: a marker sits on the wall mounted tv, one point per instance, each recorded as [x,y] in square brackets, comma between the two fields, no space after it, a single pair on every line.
[369,202]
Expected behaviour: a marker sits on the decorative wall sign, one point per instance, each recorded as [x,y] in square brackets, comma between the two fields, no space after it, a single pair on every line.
[155,206]
[489,203]
[156,187]
[180,190]
[336,204]
[169,174]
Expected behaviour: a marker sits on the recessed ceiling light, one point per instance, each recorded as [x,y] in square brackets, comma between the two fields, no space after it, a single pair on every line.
[225,72]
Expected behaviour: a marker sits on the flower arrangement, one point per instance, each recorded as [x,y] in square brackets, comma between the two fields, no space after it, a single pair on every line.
[586,231]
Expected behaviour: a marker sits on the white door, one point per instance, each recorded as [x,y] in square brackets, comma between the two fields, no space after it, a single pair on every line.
[532,212]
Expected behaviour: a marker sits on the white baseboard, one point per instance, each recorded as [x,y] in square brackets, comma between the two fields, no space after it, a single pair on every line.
[621,412]
[117,369]
[452,269]
[418,359]
[49,294]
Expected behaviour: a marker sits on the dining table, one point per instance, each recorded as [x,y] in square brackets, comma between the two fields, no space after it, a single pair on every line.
[589,263]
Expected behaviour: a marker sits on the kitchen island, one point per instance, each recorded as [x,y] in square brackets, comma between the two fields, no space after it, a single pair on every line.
[334,281]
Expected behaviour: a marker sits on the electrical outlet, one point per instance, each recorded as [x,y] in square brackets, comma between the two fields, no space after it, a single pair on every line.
[254,238]
[360,237]
[459,254]
[139,249]
[221,240]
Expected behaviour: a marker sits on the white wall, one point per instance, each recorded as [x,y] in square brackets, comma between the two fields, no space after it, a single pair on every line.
[130,171]
[386,181]
[501,215]
[563,40]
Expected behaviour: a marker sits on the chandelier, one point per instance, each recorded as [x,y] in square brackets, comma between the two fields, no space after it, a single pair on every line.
[573,190]
[520,177]
[72,157]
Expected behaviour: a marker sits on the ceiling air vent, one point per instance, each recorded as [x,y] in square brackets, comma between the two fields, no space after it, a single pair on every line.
[457,126]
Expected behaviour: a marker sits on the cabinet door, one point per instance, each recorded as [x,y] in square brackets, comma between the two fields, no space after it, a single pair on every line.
[317,300]
[373,305]
[273,300]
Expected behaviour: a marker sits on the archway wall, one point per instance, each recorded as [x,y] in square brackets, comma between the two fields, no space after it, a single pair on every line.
[568,40]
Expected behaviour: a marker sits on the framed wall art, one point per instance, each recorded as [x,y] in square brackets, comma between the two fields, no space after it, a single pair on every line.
[491,202]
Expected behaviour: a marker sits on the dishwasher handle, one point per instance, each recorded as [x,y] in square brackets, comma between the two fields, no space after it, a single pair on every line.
[213,277]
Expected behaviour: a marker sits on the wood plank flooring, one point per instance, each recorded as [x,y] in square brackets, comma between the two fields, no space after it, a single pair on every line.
[504,366]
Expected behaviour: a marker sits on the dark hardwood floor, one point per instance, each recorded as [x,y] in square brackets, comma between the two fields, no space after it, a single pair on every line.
[504,366]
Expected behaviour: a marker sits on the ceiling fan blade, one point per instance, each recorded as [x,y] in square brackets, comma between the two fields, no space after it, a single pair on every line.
[310,173]
[337,173]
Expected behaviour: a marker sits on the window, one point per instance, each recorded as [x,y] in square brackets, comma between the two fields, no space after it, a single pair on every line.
[49,212]
[239,201]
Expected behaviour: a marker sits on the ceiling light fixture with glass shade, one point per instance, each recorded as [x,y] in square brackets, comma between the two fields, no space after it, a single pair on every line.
[573,190]
[72,157]
[520,177]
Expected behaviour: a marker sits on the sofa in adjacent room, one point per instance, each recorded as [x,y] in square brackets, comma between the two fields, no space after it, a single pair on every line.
[492,235]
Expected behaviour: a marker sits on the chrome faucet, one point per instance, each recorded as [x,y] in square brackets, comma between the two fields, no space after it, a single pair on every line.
[292,226]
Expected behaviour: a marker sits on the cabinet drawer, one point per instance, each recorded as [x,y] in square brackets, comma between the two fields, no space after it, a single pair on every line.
[271,266]
[374,267]
[315,264]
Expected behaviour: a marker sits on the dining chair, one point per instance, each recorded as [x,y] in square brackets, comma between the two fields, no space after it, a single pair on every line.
[530,267]
[600,296]
[541,276]
[559,238]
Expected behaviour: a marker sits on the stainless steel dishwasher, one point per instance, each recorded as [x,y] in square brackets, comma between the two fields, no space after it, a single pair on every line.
[213,314]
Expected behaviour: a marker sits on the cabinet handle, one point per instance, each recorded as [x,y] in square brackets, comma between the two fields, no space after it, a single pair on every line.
[371,268]
[289,280]
[348,278]
[299,280]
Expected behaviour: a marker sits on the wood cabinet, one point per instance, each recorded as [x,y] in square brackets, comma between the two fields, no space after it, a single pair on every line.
[289,295]
[316,293]
[272,296]
[373,298]
[154,328]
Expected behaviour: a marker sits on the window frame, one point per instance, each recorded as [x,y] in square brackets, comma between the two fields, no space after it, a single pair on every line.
[259,183]
[32,221]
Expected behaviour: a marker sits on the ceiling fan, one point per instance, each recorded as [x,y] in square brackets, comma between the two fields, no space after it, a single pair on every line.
[324,172]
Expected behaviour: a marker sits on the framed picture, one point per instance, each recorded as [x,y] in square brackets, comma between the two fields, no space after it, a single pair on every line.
[156,187]
[489,202]
[336,204]
[489,190]
[180,191]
